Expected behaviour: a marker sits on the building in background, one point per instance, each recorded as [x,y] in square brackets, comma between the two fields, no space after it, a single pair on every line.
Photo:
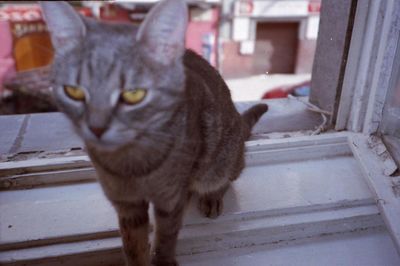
[241,38]
[202,33]
[275,36]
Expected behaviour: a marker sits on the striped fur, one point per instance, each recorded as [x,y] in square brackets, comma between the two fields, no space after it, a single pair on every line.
[184,138]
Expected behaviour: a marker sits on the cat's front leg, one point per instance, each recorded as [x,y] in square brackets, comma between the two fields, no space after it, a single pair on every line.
[134,228]
[168,224]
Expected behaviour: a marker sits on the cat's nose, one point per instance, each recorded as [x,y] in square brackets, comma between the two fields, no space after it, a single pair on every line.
[98,131]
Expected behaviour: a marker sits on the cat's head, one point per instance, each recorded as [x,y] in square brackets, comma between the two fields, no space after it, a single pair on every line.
[117,82]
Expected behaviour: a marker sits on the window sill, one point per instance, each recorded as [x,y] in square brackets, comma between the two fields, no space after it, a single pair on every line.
[284,198]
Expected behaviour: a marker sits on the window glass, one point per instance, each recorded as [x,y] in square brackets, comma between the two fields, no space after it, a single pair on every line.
[263,49]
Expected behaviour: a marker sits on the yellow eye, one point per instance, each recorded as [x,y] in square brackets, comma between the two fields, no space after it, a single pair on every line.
[133,97]
[74,93]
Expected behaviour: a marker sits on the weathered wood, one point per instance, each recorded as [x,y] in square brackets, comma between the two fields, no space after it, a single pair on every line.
[268,231]
[290,187]
[385,74]
[50,132]
[297,154]
[354,66]
[71,169]
[298,141]
[371,60]
[363,248]
[41,179]
[393,145]
[41,165]
[291,200]
[380,184]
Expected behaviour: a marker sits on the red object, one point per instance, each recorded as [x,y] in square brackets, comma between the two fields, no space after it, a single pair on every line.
[276,93]
[314,6]
[112,12]
[284,91]
[85,11]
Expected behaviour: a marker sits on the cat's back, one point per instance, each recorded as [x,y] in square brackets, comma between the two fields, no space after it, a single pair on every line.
[202,76]
[195,62]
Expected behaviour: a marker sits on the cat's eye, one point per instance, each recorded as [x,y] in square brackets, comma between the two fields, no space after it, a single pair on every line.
[134,96]
[74,93]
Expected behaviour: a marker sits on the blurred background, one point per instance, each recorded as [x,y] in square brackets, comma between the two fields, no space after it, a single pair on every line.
[263,48]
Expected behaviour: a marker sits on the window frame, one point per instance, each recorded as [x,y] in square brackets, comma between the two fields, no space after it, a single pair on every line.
[369,67]
[371,154]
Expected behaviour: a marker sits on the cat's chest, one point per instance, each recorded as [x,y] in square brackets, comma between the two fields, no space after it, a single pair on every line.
[121,183]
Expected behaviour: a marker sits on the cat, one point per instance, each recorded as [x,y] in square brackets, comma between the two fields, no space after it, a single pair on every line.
[157,120]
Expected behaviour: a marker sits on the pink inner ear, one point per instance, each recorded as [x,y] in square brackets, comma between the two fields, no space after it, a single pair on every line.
[162,34]
[163,53]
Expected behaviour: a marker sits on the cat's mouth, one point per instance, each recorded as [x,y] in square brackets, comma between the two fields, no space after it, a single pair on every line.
[111,141]
[103,144]
[104,141]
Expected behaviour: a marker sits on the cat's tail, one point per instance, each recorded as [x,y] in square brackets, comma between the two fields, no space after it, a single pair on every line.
[251,116]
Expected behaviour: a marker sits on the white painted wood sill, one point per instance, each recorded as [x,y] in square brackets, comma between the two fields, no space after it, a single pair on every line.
[308,200]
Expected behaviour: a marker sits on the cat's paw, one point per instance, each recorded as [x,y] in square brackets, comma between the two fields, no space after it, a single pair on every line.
[163,262]
[210,207]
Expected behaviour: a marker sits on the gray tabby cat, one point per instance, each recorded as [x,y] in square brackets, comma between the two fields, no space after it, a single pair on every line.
[157,120]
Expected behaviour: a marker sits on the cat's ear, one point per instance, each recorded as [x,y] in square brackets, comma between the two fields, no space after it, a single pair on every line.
[64,23]
[161,36]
